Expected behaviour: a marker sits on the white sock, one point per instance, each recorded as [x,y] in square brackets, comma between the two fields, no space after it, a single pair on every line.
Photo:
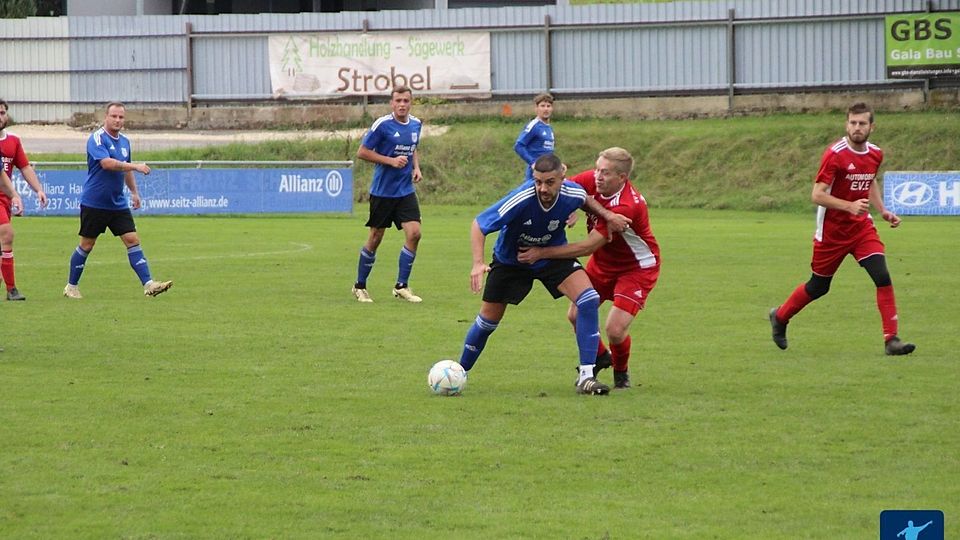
[586,371]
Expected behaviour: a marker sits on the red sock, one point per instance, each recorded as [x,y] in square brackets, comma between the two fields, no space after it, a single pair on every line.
[6,269]
[797,301]
[621,354]
[888,311]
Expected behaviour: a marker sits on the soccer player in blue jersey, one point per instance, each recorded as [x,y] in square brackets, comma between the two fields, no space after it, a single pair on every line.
[391,145]
[536,139]
[104,205]
[535,214]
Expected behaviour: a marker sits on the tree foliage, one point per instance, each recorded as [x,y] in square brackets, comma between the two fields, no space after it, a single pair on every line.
[17,9]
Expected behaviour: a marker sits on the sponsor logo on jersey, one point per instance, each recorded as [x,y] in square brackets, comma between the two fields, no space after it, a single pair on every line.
[913,193]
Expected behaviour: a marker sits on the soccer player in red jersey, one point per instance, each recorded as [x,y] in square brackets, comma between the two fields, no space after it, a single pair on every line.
[624,267]
[844,189]
[11,151]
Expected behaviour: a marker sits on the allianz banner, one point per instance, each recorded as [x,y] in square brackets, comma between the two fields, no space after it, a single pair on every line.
[207,191]
[923,45]
[922,193]
[336,65]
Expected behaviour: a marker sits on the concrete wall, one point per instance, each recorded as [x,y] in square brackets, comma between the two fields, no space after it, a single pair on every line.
[644,108]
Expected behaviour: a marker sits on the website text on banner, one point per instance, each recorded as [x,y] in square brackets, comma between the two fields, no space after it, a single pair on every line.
[208,191]
[922,193]
[335,65]
[923,45]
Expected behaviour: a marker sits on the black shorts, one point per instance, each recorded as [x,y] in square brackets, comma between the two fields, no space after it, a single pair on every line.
[508,284]
[387,210]
[94,221]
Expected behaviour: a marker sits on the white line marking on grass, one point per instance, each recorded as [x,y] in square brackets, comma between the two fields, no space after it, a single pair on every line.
[300,248]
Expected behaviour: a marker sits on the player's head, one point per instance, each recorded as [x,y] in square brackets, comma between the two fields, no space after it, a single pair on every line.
[113,117]
[400,100]
[613,170]
[859,123]
[548,173]
[544,103]
[4,117]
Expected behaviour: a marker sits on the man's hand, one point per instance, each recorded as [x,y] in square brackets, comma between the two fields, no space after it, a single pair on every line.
[400,162]
[142,168]
[417,175]
[572,219]
[529,255]
[476,276]
[616,223]
[859,207]
[16,203]
[42,198]
[135,199]
[892,218]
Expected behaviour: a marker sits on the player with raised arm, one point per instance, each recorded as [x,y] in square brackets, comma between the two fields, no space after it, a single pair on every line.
[534,215]
[623,267]
[11,151]
[844,189]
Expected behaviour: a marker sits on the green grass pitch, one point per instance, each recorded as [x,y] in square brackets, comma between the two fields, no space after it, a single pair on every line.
[256,399]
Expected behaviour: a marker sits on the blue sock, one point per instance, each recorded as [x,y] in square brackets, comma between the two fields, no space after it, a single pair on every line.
[406,266]
[588,326]
[475,341]
[365,266]
[77,262]
[139,263]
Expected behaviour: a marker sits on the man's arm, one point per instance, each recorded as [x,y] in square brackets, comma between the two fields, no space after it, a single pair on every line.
[586,246]
[131,183]
[821,196]
[477,241]
[31,177]
[372,156]
[616,223]
[6,186]
[876,199]
[520,147]
[111,164]
[417,175]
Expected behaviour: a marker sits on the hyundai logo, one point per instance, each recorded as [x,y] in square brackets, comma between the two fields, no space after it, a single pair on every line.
[912,193]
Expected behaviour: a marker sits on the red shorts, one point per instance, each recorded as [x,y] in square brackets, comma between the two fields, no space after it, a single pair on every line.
[5,203]
[828,255]
[629,291]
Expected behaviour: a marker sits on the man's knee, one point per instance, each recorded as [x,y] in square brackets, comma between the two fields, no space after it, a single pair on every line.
[817,286]
[876,267]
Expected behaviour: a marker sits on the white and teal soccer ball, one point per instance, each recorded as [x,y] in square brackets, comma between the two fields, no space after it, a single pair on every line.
[447,378]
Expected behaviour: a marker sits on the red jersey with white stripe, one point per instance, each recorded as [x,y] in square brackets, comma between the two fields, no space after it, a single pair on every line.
[849,174]
[633,249]
[11,151]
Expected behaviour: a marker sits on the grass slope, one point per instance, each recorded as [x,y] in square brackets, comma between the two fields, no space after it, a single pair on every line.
[256,399]
[742,163]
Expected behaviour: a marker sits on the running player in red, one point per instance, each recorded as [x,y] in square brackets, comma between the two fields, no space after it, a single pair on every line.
[13,155]
[845,188]
[624,267]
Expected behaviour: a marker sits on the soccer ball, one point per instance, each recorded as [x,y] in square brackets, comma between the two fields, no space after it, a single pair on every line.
[447,378]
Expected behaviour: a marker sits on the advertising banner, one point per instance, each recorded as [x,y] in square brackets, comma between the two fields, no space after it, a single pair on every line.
[334,65]
[922,193]
[207,191]
[923,45]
